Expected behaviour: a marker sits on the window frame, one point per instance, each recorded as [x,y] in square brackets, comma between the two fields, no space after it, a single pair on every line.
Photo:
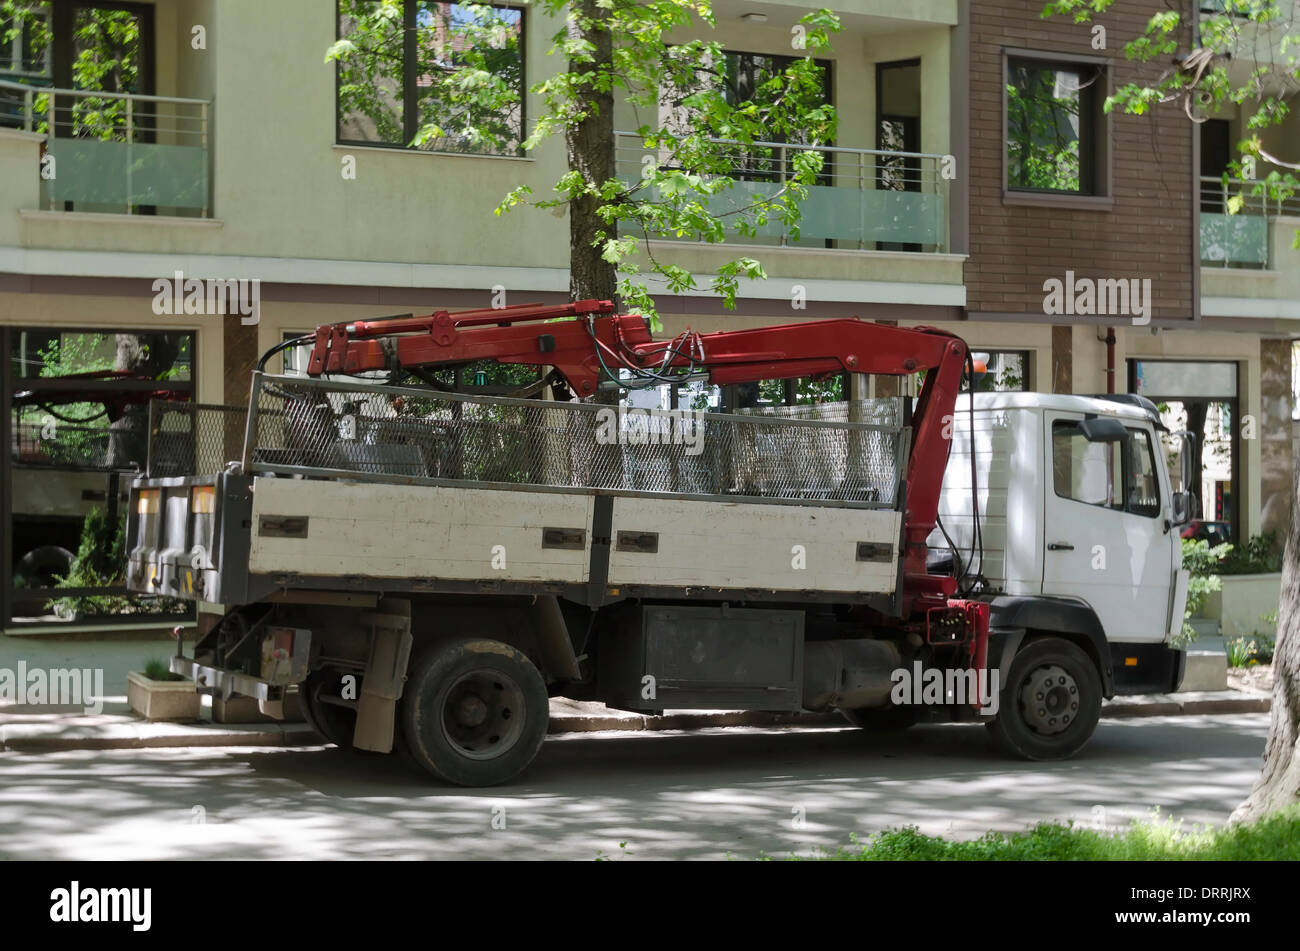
[1098,153]
[410,89]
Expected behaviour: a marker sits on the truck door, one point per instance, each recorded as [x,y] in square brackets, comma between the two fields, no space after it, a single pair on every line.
[1107,539]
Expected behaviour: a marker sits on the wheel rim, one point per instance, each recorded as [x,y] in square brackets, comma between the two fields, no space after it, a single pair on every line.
[1049,699]
[484,714]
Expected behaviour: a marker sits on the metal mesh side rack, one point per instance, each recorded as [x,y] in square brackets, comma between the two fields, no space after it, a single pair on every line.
[190,439]
[854,454]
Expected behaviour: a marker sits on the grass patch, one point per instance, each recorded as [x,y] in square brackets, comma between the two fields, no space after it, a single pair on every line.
[1276,837]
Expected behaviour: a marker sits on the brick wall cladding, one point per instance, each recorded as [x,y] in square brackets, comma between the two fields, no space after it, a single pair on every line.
[1147,232]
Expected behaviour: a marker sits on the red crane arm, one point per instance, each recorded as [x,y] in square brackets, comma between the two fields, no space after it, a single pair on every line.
[598,338]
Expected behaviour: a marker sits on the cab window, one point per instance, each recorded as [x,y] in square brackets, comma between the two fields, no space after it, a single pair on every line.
[1112,475]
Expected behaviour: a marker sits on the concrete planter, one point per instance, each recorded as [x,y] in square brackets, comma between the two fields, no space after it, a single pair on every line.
[240,709]
[1239,606]
[162,699]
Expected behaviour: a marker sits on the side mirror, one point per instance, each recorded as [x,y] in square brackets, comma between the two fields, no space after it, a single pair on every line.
[1103,429]
[1181,508]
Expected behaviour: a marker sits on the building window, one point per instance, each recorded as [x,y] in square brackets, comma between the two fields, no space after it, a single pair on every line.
[1004,371]
[25,41]
[75,417]
[1052,126]
[743,77]
[438,77]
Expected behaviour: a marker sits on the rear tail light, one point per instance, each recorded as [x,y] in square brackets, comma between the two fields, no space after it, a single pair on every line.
[203,500]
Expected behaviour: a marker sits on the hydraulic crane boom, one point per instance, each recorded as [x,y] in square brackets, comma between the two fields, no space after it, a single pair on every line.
[597,340]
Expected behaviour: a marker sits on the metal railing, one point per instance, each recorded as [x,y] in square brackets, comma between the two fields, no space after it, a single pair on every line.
[328,429]
[189,439]
[116,152]
[1239,238]
[864,198]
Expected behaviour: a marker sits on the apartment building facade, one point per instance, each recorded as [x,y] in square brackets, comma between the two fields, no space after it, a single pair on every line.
[210,141]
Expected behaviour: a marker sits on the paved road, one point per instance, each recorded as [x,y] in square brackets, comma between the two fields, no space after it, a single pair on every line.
[738,793]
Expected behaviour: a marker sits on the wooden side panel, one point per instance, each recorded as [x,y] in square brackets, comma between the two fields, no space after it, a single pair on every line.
[746,545]
[394,531]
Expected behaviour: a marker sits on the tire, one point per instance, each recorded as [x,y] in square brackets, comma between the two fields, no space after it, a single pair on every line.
[1052,719]
[894,718]
[336,724]
[474,712]
[42,567]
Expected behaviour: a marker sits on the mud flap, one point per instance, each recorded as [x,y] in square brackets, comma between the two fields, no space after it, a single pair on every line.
[381,688]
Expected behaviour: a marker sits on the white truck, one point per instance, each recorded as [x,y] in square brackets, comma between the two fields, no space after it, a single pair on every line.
[429,567]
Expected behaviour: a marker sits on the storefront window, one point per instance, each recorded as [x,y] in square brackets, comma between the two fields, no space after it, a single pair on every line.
[77,428]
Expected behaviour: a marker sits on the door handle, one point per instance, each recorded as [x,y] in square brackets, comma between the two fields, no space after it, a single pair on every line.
[1060,546]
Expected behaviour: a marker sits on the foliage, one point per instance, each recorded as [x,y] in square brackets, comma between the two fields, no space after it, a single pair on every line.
[698,146]
[107,55]
[1234,32]
[1201,562]
[1275,837]
[807,390]
[1241,651]
[1261,554]
[99,563]
[1266,640]
[158,669]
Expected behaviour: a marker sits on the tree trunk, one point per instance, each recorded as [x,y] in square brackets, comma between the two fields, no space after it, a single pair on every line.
[1278,785]
[590,146]
[128,435]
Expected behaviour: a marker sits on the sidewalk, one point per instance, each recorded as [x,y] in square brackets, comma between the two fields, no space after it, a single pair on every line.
[117,728]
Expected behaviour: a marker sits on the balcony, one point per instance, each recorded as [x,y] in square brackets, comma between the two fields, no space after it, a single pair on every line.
[1240,238]
[116,153]
[865,199]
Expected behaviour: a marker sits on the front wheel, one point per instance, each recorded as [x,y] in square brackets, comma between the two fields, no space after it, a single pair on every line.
[1050,703]
[475,712]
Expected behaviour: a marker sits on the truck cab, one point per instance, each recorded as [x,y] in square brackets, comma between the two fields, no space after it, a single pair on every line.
[1078,519]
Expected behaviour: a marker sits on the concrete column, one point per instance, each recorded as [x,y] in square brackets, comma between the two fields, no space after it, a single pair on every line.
[1062,360]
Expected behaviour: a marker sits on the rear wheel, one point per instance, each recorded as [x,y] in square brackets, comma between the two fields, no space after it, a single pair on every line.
[320,697]
[474,712]
[1050,703]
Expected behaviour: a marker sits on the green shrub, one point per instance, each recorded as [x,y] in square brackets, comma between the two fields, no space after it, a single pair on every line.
[100,562]
[156,669]
[1266,640]
[1201,562]
[1275,837]
[1242,651]
[1260,554]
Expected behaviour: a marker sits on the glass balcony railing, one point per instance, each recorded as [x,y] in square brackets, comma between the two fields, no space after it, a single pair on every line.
[116,152]
[864,198]
[1235,222]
